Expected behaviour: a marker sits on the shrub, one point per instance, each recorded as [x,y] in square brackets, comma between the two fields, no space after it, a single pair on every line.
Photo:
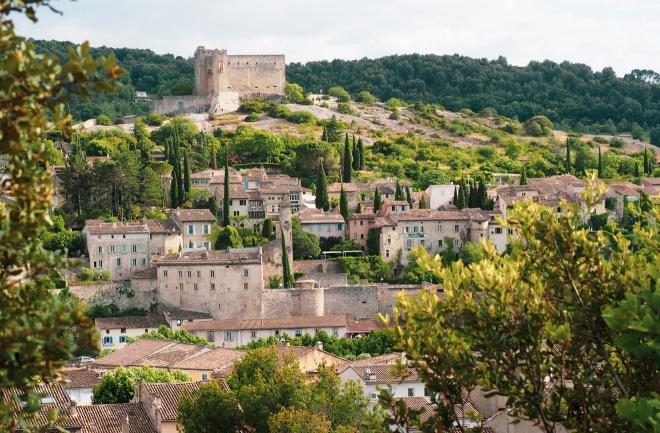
[294,93]
[300,117]
[252,117]
[617,143]
[371,269]
[344,108]
[393,104]
[253,106]
[366,97]
[538,126]
[154,119]
[87,274]
[339,93]
[278,111]
[104,120]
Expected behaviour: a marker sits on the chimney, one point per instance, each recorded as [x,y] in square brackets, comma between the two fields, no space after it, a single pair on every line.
[138,390]
[73,410]
[126,426]
[319,345]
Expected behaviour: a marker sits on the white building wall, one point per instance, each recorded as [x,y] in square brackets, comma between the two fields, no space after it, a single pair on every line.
[440,195]
[110,338]
[234,338]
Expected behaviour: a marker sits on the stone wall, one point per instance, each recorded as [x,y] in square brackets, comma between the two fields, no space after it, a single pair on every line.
[139,295]
[277,303]
[326,280]
[321,265]
[181,104]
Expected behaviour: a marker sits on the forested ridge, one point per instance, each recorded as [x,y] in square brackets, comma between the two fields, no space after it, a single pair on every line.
[572,95]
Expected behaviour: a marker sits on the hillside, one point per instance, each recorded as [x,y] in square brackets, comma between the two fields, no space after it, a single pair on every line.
[571,95]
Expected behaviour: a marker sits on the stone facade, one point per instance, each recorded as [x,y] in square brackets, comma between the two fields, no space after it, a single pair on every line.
[223,80]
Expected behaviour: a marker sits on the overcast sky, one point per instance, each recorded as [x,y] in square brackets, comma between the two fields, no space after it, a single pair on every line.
[624,34]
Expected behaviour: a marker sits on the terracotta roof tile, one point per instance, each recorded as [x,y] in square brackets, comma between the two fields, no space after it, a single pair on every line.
[149,321]
[284,323]
[313,216]
[170,395]
[110,418]
[214,360]
[383,374]
[230,256]
[75,378]
[191,215]
[54,398]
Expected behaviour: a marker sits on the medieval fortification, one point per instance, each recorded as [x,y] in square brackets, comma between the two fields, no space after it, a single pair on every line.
[223,80]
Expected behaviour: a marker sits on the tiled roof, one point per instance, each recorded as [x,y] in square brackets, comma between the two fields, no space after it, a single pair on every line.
[162,226]
[151,352]
[214,360]
[170,395]
[237,191]
[284,323]
[110,418]
[430,215]
[363,325]
[75,378]
[97,227]
[420,404]
[625,188]
[387,359]
[153,320]
[383,374]
[192,215]
[362,216]
[313,216]
[335,188]
[54,398]
[230,256]
[186,315]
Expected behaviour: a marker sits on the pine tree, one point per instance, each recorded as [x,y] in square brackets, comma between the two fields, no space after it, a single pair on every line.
[356,155]
[523,176]
[322,200]
[378,201]
[361,153]
[399,194]
[287,280]
[343,204]
[225,201]
[174,191]
[600,164]
[186,172]
[409,198]
[347,174]
[568,156]
[422,202]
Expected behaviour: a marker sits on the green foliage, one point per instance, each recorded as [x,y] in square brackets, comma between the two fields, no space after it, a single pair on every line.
[118,386]
[211,409]
[378,201]
[87,274]
[366,97]
[334,129]
[371,269]
[294,93]
[103,120]
[252,117]
[343,204]
[268,229]
[253,106]
[345,108]
[322,201]
[293,420]
[287,277]
[339,93]
[305,244]
[346,245]
[538,126]
[112,310]
[471,253]
[308,156]
[373,242]
[585,308]
[347,162]
[154,119]
[180,335]
[301,117]
[225,237]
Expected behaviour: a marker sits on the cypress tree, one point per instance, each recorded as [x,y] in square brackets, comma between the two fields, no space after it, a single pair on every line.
[324,134]
[651,162]
[600,164]
[356,155]
[568,155]
[213,206]
[399,194]
[422,202]
[646,162]
[214,157]
[322,200]
[267,229]
[636,169]
[472,195]
[409,198]
[287,280]
[347,174]
[225,201]
[343,204]
[523,176]
[361,153]
[358,208]
[462,195]
[378,201]
[455,199]
[186,172]
[483,195]
[174,191]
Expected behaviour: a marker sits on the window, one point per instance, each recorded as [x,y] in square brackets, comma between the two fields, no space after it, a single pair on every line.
[199,274]
[144,262]
[228,336]
[509,231]
[456,228]
[134,248]
[119,262]
[181,286]
[361,222]
[298,332]
[411,392]
[180,274]
[112,248]
[210,336]
[124,249]
[133,262]
[212,274]
[191,229]
[361,235]
[498,230]
[195,286]
[189,274]
[107,339]
[123,330]
[100,249]
[335,332]
[242,202]
[206,229]
[415,229]
[387,253]
[245,285]
[123,339]
[237,213]
[205,376]
[340,226]
[393,208]
[107,331]
[409,243]
[426,392]
[440,243]
[246,273]
[212,286]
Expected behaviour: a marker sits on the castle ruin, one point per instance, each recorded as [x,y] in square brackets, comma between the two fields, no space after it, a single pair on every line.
[222,81]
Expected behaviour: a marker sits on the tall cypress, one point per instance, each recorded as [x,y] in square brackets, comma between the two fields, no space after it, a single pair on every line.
[322,200]
[600,164]
[214,157]
[287,280]
[399,194]
[347,174]
[356,155]
[636,169]
[455,199]
[523,176]
[186,172]
[225,201]
[324,134]
[343,204]
[646,162]
[568,156]
[422,202]
[409,198]
[361,153]
[483,195]
[378,201]
[174,191]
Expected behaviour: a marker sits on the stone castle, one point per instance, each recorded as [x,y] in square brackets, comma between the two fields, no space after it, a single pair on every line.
[223,80]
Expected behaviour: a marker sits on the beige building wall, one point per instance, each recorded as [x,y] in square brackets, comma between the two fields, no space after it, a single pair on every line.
[232,338]
[119,337]
[166,243]
[118,253]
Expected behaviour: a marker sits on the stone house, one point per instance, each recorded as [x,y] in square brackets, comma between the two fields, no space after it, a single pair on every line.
[373,377]
[195,225]
[440,195]
[79,383]
[324,225]
[114,332]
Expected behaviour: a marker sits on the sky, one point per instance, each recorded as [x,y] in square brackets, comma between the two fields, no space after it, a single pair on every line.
[623,34]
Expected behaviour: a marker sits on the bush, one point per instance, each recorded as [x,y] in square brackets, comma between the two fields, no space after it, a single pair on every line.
[104,120]
[339,93]
[278,111]
[118,386]
[252,117]
[538,126]
[393,104]
[255,106]
[371,269]
[344,108]
[300,117]
[294,93]
[154,119]
[617,143]
[87,274]
[366,97]
[346,245]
